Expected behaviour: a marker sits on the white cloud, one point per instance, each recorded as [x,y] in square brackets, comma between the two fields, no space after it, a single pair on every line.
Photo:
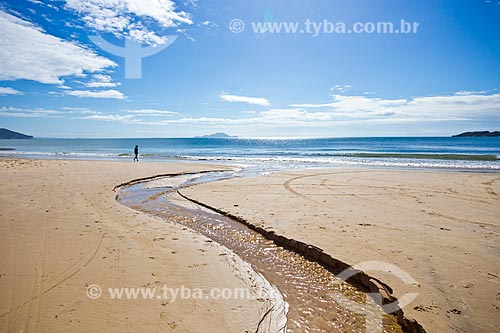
[470,105]
[52,7]
[132,118]
[243,99]
[272,116]
[192,3]
[311,106]
[128,18]
[27,52]
[456,106]
[348,104]
[466,92]
[151,112]
[364,110]
[114,94]
[101,81]
[141,34]
[340,88]
[110,117]
[279,115]
[79,110]
[9,111]
[343,110]
[9,91]
[208,24]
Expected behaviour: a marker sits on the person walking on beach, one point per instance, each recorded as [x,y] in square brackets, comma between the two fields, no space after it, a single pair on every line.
[136,152]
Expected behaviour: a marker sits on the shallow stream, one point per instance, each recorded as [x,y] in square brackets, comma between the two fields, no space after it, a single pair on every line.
[316,297]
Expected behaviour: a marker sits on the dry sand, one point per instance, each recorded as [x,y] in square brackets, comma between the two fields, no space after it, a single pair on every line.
[62,230]
[443,228]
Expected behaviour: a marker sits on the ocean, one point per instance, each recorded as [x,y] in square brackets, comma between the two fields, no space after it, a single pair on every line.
[270,154]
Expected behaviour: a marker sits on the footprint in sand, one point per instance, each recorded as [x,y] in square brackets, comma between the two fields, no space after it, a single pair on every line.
[454,311]
[423,308]
[164,316]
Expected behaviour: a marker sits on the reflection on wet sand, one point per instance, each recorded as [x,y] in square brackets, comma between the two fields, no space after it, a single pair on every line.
[312,291]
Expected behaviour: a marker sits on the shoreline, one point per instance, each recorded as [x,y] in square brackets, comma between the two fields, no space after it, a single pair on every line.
[232,162]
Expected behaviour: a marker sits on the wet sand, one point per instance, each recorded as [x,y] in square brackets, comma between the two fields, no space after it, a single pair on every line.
[442,228]
[316,297]
[62,230]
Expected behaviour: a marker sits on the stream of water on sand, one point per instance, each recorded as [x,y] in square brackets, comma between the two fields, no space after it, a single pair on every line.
[311,290]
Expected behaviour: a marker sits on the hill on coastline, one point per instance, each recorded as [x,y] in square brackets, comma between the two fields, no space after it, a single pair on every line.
[217,135]
[8,134]
[478,134]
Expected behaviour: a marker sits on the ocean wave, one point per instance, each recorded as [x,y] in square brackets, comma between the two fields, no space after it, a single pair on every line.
[384,160]
[426,156]
[353,161]
[59,154]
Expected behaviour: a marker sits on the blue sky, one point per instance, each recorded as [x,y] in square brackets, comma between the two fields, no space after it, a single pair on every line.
[441,79]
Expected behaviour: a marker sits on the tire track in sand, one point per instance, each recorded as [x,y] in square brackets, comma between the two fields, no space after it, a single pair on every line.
[288,182]
[65,275]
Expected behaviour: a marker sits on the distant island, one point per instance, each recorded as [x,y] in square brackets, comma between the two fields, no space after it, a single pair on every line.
[8,134]
[478,134]
[217,135]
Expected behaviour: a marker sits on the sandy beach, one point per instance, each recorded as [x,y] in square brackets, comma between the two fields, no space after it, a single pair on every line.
[442,228]
[249,166]
[62,230]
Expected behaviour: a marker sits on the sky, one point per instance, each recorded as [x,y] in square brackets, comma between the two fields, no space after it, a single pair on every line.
[282,68]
